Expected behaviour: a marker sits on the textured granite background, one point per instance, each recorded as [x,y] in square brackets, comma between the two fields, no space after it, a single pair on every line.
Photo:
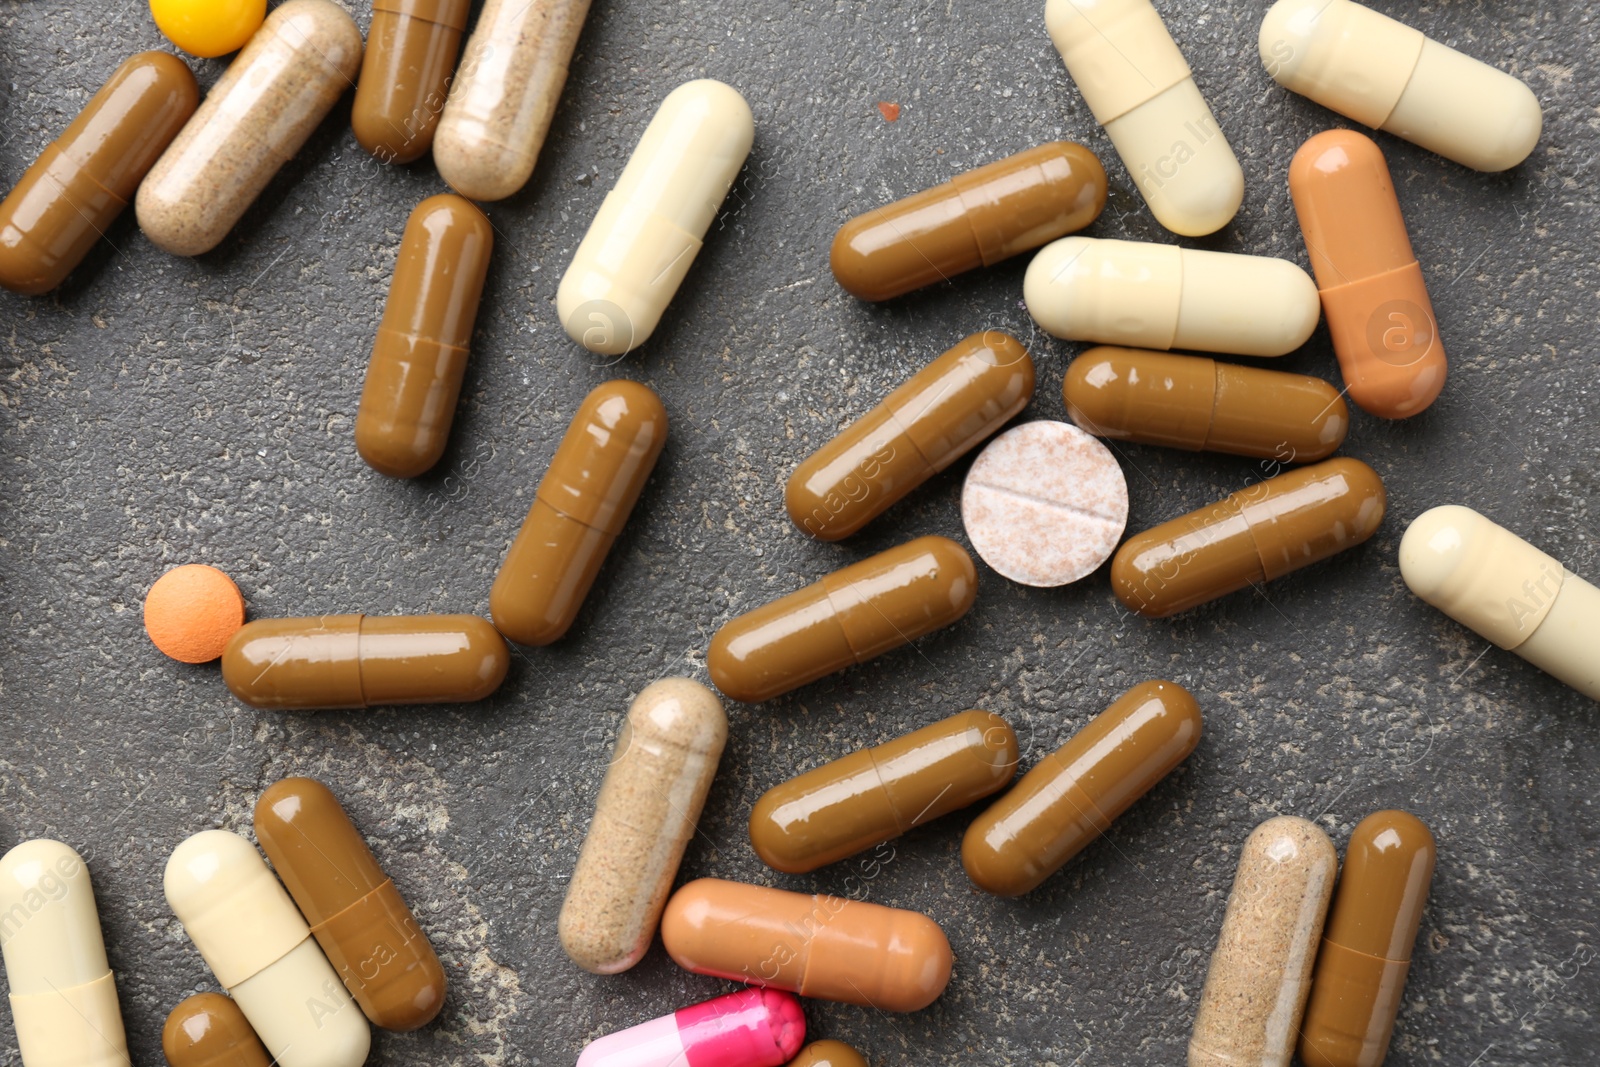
[159,411]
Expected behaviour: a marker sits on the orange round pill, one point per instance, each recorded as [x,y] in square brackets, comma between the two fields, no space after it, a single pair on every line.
[192,611]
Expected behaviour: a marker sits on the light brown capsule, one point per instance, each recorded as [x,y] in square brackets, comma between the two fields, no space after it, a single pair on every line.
[582,503]
[209,1030]
[411,51]
[420,354]
[852,615]
[828,1054]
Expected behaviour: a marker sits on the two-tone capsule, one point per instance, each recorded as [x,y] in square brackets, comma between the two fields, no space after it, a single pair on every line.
[1379,314]
[1254,536]
[420,355]
[665,759]
[975,219]
[1198,404]
[1366,949]
[939,415]
[209,1030]
[262,952]
[582,504]
[1260,972]
[750,1028]
[651,226]
[411,52]
[849,617]
[64,1005]
[1504,589]
[877,794]
[84,179]
[826,948]
[355,911]
[252,122]
[1073,795]
[363,661]
[1162,297]
[1140,88]
[1388,76]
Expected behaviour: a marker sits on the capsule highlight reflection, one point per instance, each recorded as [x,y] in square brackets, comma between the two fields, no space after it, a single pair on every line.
[749,1028]
[209,1030]
[411,53]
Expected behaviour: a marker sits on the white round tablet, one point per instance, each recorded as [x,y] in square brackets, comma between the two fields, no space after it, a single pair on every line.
[1045,504]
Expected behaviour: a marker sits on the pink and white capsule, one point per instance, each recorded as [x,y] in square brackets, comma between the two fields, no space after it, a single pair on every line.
[750,1028]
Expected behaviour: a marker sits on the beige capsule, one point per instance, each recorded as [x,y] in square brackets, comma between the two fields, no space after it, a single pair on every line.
[665,759]
[1260,973]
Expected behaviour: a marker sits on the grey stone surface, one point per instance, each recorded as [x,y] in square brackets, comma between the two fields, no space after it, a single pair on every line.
[158,411]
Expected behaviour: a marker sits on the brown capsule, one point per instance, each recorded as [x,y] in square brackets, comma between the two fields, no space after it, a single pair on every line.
[1366,948]
[1254,536]
[852,615]
[1073,795]
[877,794]
[209,1030]
[420,355]
[1198,404]
[975,219]
[939,415]
[582,503]
[362,661]
[412,47]
[354,909]
[828,1054]
[80,183]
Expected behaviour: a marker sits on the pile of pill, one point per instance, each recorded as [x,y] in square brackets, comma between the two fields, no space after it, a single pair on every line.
[1311,960]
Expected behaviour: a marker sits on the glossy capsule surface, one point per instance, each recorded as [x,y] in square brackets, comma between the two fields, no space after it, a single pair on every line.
[828,1054]
[83,180]
[411,52]
[852,615]
[749,1028]
[1200,405]
[1254,536]
[650,227]
[209,1030]
[252,122]
[827,948]
[356,913]
[1379,314]
[1387,75]
[1161,297]
[362,661]
[420,354]
[261,951]
[578,511]
[1361,970]
[64,1006]
[1140,88]
[1260,972]
[871,796]
[939,415]
[1073,795]
[975,219]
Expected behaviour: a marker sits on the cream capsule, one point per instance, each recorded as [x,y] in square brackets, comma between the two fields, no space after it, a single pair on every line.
[209,1030]
[651,226]
[363,661]
[411,51]
[1161,297]
[1200,405]
[1140,88]
[63,996]
[262,952]
[1254,536]
[943,412]
[849,617]
[1260,972]
[582,503]
[1507,591]
[420,354]
[505,94]
[825,948]
[877,794]
[1388,76]
[649,803]
[252,122]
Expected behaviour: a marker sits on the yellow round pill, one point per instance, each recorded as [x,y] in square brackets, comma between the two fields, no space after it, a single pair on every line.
[208,28]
